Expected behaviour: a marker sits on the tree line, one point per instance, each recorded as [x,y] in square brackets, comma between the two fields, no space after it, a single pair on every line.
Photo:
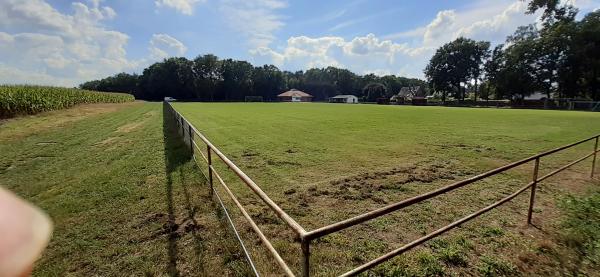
[560,59]
[208,78]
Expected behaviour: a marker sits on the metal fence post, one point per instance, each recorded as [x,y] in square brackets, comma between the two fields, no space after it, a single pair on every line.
[182,129]
[191,139]
[535,180]
[594,159]
[305,257]
[210,173]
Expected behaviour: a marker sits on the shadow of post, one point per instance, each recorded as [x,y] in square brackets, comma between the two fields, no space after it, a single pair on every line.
[176,154]
[180,170]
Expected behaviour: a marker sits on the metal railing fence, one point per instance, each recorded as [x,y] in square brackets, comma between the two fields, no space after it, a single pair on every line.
[306,237]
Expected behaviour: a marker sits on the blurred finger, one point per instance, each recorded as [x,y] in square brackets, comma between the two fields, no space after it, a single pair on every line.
[24,232]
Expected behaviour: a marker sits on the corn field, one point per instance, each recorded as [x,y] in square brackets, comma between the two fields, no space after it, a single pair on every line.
[21,100]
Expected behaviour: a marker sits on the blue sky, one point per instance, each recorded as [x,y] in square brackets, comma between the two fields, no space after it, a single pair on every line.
[67,42]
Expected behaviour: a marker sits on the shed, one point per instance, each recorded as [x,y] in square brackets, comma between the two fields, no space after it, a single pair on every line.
[344,98]
[295,95]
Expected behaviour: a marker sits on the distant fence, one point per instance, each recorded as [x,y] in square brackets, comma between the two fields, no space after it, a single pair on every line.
[191,136]
[546,104]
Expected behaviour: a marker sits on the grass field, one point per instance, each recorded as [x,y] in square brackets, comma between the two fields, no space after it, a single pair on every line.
[126,199]
[123,196]
[323,163]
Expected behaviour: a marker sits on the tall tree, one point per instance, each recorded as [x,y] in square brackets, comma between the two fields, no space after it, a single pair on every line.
[587,54]
[268,81]
[172,77]
[454,64]
[207,70]
[373,91]
[237,80]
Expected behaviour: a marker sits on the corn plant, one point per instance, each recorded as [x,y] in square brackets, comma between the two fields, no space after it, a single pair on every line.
[24,99]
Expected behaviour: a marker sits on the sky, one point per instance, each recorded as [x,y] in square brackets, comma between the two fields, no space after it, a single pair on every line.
[66,42]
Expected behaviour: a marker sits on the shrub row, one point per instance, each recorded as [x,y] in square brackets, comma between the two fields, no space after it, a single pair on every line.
[21,100]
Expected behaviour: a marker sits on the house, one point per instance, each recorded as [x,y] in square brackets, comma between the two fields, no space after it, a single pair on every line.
[294,95]
[415,94]
[411,92]
[343,99]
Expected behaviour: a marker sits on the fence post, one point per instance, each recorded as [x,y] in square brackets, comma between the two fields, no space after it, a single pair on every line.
[532,198]
[182,129]
[305,257]
[191,139]
[594,159]
[210,174]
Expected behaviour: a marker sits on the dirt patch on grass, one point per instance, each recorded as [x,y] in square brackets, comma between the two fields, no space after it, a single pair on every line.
[108,141]
[111,143]
[375,184]
[42,143]
[130,127]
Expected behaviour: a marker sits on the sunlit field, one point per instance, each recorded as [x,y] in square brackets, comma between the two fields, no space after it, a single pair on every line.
[327,162]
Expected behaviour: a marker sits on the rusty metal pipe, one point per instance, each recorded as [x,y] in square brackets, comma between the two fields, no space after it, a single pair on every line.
[532,197]
[434,234]
[564,167]
[191,139]
[210,168]
[594,159]
[299,230]
[416,199]
[405,203]
[200,151]
[260,234]
[305,245]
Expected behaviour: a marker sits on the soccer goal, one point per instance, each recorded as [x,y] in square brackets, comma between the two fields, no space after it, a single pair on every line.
[581,105]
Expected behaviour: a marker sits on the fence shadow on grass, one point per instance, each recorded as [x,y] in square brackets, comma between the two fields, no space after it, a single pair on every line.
[177,155]
[181,177]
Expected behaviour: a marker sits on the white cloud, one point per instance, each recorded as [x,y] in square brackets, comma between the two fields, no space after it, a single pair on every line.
[183,6]
[40,45]
[444,22]
[163,46]
[47,44]
[483,20]
[257,20]
[366,54]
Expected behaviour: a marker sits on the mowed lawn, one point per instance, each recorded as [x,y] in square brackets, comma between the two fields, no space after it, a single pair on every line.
[122,193]
[327,162]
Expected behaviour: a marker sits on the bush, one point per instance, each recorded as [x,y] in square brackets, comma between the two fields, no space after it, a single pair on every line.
[21,100]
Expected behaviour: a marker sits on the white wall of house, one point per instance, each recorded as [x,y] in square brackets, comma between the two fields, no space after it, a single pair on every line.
[352,99]
[344,99]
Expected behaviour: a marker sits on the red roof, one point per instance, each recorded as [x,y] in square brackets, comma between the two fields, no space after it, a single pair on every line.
[294,92]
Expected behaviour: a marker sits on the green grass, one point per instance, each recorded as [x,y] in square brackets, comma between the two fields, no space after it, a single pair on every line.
[324,163]
[127,200]
[307,143]
[124,198]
